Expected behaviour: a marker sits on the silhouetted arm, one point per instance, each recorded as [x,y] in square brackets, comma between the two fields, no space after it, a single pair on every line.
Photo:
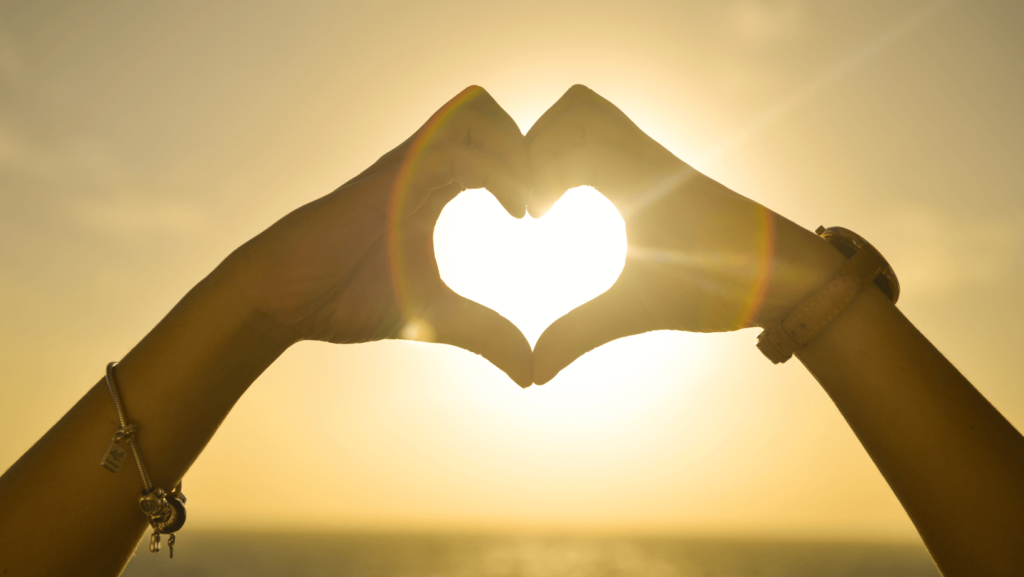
[327,271]
[955,463]
[698,254]
[64,514]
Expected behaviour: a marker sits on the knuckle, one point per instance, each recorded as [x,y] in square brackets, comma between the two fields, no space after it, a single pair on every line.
[476,92]
[467,122]
[579,90]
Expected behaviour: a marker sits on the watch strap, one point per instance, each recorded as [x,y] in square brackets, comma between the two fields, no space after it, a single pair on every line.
[779,341]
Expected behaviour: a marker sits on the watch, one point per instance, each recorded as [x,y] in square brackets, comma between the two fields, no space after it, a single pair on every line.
[779,341]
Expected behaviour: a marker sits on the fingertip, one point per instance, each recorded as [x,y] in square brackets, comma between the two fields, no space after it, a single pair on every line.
[515,206]
[478,329]
[520,372]
[509,194]
[511,359]
[525,384]
[541,381]
[546,364]
[578,89]
[513,196]
[611,315]
[541,378]
[543,375]
[538,209]
[475,91]
[542,199]
[519,211]
[547,189]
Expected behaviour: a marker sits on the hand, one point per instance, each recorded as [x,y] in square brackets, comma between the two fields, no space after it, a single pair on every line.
[358,264]
[701,257]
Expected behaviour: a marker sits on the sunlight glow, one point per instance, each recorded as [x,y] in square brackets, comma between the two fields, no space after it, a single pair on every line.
[531,271]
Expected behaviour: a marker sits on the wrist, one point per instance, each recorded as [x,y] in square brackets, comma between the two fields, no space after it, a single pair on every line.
[234,293]
[179,383]
[802,263]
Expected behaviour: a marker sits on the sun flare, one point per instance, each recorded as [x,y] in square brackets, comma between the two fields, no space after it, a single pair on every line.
[531,271]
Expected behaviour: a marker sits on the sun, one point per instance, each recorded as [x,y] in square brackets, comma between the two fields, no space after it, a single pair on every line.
[531,271]
[609,406]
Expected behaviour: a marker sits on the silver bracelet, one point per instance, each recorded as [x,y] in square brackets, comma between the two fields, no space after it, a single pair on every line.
[164,510]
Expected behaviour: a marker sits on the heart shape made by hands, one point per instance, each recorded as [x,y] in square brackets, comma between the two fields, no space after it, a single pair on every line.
[531,271]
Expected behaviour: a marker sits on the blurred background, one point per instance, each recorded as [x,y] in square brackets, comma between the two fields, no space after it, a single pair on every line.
[141,142]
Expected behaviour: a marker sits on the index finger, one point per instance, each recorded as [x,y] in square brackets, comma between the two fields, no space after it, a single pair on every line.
[575,94]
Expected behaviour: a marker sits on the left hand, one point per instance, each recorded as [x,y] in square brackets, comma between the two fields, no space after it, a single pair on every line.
[358,264]
[701,257]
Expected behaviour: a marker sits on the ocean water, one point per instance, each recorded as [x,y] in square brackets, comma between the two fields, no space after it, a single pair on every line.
[204,554]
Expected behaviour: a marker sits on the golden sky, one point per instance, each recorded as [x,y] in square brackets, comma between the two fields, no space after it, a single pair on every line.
[140,142]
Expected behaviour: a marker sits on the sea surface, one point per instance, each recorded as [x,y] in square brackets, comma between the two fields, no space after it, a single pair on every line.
[205,554]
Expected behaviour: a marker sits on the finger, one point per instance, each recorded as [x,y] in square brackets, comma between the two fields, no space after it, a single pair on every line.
[486,102]
[616,171]
[571,96]
[461,322]
[576,94]
[614,314]
[585,136]
[473,116]
[472,168]
[481,129]
[471,98]
[582,117]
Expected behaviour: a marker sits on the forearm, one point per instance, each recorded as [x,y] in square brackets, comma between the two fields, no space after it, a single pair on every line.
[63,513]
[954,462]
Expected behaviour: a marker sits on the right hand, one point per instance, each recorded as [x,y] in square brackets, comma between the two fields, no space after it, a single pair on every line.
[701,258]
[358,264]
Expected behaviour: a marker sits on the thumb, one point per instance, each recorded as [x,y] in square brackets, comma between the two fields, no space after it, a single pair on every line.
[614,314]
[458,321]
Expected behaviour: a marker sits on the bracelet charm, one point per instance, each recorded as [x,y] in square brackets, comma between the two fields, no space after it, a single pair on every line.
[114,456]
[164,511]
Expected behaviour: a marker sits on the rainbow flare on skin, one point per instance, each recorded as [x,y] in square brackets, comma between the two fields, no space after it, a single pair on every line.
[765,262]
[400,196]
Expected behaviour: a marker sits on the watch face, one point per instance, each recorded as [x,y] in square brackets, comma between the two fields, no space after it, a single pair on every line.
[888,283]
[848,242]
[842,245]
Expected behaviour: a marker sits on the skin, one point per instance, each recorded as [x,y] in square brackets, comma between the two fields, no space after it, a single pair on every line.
[332,270]
[956,465]
[320,273]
